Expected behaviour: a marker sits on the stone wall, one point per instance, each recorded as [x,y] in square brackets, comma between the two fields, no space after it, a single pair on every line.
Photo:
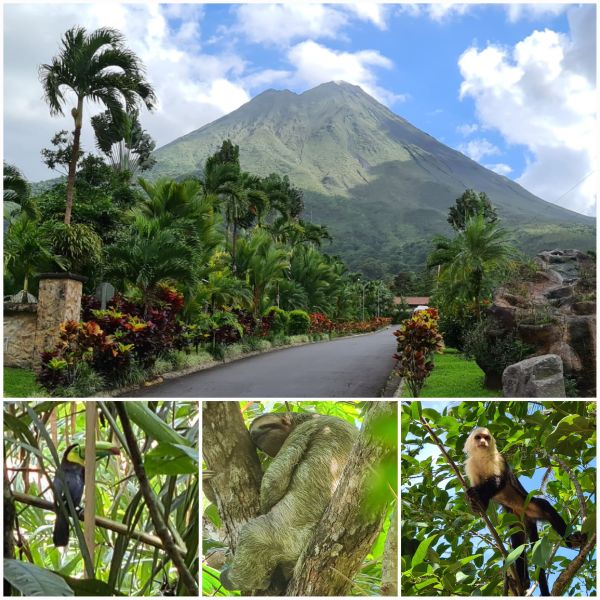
[35,329]
[19,334]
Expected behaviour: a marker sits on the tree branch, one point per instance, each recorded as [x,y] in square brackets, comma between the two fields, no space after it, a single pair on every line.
[151,501]
[561,583]
[352,521]
[115,526]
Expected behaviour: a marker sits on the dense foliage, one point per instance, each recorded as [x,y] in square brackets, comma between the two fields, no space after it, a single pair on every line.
[129,558]
[446,549]
[229,243]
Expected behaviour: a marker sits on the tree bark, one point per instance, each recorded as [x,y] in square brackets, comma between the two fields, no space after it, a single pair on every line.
[78,118]
[229,452]
[9,525]
[389,567]
[353,519]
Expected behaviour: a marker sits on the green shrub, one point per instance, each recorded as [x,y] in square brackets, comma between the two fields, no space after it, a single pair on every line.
[454,328]
[235,350]
[86,382]
[299,322]
[217,351]
[162,365]
[298,339]
[493,351]
[280,319]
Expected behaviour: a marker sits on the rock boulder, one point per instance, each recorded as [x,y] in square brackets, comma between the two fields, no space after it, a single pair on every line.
[536,377]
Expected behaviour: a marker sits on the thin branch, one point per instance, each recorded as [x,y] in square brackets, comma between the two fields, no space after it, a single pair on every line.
[151,501]
[562,581]
[145,538]
[576,485]
[483,515]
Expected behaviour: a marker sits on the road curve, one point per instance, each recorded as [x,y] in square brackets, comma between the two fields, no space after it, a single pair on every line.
[351,367]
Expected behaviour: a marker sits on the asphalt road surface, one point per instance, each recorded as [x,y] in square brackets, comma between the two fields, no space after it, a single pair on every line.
[351,367]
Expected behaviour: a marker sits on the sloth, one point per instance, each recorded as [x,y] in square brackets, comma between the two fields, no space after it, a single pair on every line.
[310,452]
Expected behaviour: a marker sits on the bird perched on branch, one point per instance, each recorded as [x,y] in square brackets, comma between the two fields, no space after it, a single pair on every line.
[71,473]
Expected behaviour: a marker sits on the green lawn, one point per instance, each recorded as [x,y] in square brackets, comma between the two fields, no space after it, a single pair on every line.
[454,377]
[20,383]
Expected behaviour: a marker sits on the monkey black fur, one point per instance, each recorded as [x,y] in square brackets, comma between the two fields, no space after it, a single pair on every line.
[310,452]
[492,479]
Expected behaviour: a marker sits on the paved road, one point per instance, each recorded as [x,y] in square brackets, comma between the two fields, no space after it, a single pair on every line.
[352,367]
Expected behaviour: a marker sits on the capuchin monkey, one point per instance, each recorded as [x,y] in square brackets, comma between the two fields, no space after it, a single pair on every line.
[492,479]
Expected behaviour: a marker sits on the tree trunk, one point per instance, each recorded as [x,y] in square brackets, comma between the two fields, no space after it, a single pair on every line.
[78,117]
[229,452]
[353,519]
[9,525]
[233,248]
[389,567]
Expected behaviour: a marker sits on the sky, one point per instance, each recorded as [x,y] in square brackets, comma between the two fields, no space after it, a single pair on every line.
[511,86]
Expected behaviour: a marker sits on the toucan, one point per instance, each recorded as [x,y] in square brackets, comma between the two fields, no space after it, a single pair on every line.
[72,467]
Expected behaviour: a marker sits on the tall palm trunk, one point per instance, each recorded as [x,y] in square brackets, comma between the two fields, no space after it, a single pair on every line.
[78,118]
[233,248]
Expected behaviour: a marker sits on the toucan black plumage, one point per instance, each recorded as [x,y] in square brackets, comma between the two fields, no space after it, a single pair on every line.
[72,468]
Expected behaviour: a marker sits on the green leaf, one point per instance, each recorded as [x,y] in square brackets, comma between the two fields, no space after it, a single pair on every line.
[171,459]
[422,551]
[91,587]
[33,581]
[514,555]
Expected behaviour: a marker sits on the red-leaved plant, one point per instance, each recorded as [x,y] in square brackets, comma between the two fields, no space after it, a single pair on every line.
[418,340]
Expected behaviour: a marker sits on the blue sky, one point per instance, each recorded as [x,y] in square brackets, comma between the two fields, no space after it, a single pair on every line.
[512,86]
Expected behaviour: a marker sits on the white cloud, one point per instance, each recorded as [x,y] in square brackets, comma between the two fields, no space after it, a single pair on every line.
[315,64]
[371,11]
[467,129]
[441,12]
[444,11]
[516,12]
[500,168]
[539,94]
[281,23]
[478,148]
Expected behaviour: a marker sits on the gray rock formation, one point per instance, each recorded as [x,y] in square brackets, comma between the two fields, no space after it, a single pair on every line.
[553,309]
[536,377]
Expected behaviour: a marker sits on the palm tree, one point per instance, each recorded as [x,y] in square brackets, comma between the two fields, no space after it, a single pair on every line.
[123,141]
[149,255]
[263,264]
[95,66]
[244,201]
[469,258]
[16,192]
[25,251]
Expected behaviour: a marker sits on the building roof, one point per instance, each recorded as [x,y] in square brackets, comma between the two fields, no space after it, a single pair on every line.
[412,300]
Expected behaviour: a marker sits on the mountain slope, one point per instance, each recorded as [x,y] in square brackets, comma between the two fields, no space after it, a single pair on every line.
[382,185]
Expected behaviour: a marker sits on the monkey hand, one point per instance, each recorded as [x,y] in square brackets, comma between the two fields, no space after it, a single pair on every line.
[474,501]
[576,540]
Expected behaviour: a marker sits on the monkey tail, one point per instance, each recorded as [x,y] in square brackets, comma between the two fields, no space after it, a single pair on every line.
[518,539]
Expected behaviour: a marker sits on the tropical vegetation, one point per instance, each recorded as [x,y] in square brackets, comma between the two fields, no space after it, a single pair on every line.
[140,506]
[197,264]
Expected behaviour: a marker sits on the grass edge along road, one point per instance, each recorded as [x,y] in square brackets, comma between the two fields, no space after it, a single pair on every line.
[454,377]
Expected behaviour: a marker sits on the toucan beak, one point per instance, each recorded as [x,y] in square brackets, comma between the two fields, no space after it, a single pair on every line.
[104,449]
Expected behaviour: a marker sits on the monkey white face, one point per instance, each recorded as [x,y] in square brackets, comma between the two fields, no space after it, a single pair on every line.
[480,440]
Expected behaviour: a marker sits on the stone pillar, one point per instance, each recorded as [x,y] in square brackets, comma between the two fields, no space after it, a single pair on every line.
[19,333]
[59,300]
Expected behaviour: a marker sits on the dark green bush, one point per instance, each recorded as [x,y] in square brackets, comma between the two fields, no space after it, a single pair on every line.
[280,319]
[454,328]
[299,322]
[494,350]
